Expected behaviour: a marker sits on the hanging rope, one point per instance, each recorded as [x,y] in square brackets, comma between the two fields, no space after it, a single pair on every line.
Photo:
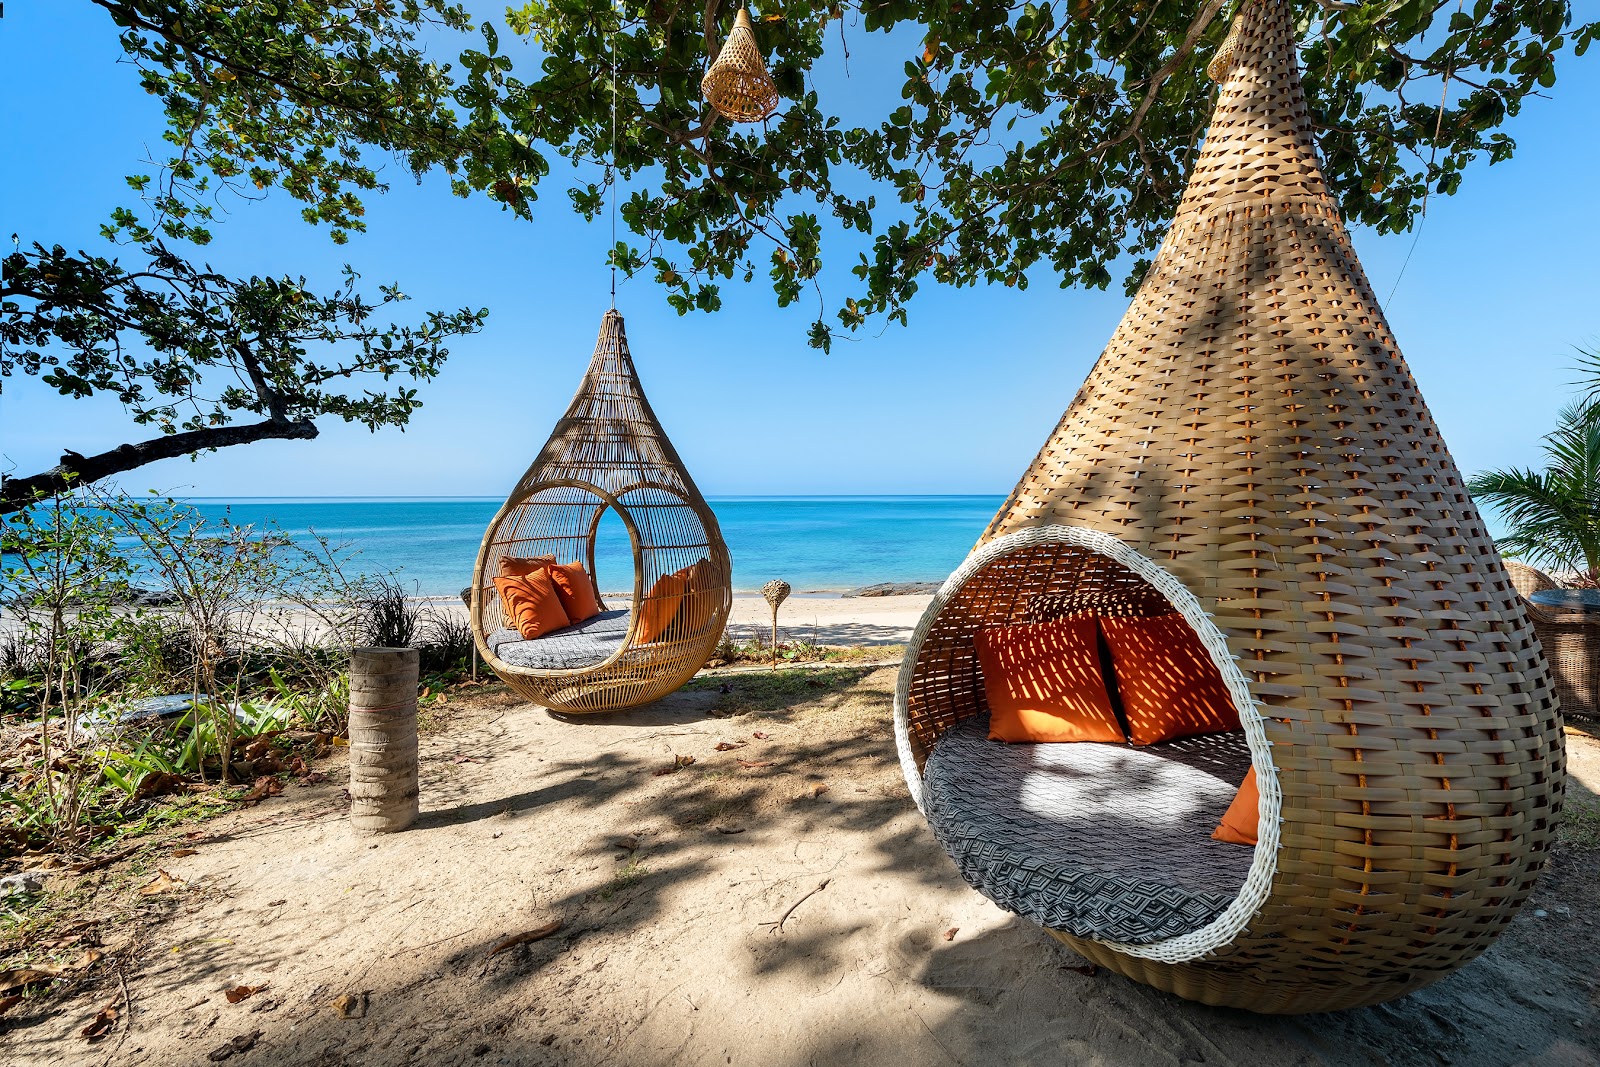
[611,163]
[1427,188]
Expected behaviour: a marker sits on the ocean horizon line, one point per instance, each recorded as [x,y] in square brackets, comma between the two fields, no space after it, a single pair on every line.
[817,543]
[485,498]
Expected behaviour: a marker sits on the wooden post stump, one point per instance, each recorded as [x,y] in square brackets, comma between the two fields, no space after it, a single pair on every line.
[383,739]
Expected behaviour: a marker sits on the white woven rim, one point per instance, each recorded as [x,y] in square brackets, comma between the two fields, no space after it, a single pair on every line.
[1258,883]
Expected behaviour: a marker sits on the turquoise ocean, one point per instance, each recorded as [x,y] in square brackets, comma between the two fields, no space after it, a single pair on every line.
[816,544]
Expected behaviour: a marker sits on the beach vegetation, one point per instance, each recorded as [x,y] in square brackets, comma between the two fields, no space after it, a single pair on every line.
[150,650]
[757,692]
[1552,514]
[753,644]
[390,618]
[445,646]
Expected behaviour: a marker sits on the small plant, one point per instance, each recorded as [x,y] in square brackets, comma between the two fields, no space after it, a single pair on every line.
[629,876]
[389,618]
[445,647]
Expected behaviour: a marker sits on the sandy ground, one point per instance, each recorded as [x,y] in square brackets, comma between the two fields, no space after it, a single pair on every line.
[667,888]
[885,620]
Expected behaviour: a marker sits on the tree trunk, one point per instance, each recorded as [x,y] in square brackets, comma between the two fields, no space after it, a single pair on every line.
[18,493]
[383,739]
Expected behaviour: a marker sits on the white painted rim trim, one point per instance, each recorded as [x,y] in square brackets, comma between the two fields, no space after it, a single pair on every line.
[1258,883]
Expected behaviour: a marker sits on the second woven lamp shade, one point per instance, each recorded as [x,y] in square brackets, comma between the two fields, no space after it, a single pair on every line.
[1252,453]
[737,85]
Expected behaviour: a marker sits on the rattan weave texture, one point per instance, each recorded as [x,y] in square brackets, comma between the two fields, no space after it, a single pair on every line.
[737,84]
[1571,643]
[609,451]
[1252,432]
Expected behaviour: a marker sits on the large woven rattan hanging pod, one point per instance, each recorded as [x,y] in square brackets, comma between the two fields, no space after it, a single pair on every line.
[608,451]
[737,84]
[1251,453]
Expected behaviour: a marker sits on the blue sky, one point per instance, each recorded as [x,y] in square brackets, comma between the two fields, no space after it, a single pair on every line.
[1499,288]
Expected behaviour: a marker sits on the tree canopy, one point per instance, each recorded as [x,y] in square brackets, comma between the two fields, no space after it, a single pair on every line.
[1028,134]
[1029,140]
[187,351]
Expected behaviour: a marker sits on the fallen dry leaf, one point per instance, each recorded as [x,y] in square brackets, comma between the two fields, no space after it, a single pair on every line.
[752,764]
[179,853]
[242,1043]
[537,934]
[465,759]
[102,1023]
[23,977]
[761,735]
[351,1005]
[242,992]
[729,746]
[678,764]
[266,786]
[730,829]
[159,784]
[161,883]
[9,1002]
[950,934]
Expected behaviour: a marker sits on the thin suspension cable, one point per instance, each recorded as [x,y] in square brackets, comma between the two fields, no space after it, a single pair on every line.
[611,166]
[1433,155]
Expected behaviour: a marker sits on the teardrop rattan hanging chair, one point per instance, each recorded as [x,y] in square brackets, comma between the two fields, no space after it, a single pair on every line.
[608,452]
[737,85]
[1251,453]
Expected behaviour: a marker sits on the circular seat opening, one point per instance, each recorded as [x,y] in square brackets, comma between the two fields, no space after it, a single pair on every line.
[1098,840]
[646,546]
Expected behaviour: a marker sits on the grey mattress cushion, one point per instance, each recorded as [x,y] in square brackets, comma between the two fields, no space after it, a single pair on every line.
[583,644]
[1102,841]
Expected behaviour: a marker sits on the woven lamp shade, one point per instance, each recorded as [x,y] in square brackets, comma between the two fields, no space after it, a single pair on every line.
[737,84]
[610,452]
[1252,444]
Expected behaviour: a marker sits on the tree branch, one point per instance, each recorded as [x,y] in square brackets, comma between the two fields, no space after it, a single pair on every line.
[74,470]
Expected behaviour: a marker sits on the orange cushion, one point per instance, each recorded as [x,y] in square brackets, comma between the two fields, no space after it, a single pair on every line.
[1242,820]
[1044,683]
[660,607]
[530,604]
[576,590]
[1167,681]
[517,566]
[701,595]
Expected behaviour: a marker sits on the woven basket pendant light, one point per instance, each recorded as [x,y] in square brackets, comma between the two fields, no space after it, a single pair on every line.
[737,85]
[610,452]
[1251,451]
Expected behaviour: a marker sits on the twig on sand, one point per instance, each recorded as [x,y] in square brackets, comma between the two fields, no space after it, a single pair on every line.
[537,934]
[104,861]
[777,927]
[127,1009]
[430,944]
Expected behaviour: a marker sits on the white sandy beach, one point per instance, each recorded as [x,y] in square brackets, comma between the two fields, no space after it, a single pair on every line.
[668,888]
[822,620]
